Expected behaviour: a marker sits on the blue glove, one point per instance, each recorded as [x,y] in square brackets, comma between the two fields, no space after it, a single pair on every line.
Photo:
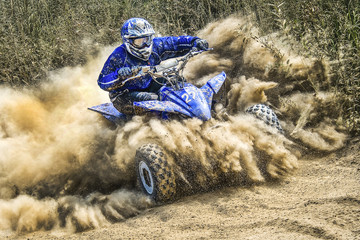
[201,44]
[126,72]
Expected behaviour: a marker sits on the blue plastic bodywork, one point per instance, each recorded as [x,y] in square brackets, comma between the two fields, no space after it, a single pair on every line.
[109,112]
[189,100]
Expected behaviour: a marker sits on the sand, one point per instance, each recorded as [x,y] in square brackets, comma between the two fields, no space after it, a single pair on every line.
[320,201]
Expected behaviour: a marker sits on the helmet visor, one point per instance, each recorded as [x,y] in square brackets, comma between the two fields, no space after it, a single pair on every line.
[141,42]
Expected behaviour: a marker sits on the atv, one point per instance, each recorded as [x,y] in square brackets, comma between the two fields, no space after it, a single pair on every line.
[155,175]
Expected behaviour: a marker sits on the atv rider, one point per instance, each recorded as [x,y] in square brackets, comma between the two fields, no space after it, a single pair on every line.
[140,48]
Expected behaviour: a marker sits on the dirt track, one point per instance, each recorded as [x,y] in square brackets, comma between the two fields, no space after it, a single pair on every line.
[321,201]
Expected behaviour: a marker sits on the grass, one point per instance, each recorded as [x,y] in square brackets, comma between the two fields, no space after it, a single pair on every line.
[41,35]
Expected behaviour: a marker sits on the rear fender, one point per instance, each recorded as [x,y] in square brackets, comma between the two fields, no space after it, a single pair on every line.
[109,112]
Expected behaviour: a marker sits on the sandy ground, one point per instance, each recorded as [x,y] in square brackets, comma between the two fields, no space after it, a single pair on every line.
[321,201]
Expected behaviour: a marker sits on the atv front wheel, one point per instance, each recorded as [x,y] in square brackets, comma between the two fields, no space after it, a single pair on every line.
[155,176]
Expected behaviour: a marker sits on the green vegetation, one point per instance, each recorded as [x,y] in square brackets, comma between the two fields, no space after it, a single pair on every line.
[41,35]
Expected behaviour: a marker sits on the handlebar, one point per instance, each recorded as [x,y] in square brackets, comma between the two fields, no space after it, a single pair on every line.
[166,69]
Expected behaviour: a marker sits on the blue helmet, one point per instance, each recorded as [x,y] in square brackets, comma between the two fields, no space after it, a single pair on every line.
[137,35]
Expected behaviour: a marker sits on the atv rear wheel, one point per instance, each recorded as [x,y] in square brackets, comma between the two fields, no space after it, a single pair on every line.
[155,176]
[266,114]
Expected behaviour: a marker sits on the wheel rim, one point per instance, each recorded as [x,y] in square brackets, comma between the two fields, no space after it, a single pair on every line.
[146,177]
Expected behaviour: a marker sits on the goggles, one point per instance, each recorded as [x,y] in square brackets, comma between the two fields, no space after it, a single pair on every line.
[141,42]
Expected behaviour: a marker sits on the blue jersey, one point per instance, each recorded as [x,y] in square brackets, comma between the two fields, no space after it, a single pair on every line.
[163,48]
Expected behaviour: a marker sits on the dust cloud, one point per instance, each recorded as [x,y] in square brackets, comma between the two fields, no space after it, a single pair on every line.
[64,167]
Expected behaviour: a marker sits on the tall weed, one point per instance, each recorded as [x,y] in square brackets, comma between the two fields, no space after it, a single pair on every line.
[41,35]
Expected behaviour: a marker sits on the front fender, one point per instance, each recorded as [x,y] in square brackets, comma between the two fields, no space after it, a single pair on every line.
[161,106]
[213,86]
